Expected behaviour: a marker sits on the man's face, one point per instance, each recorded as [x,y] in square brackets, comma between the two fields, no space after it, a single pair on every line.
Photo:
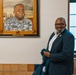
[19,12]
[60,24]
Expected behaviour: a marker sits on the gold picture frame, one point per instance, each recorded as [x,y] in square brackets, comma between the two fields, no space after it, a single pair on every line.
[6,6]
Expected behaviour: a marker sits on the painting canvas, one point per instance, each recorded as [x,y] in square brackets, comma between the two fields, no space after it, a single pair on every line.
[19,18]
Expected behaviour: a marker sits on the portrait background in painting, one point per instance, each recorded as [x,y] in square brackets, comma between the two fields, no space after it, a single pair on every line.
[8,6]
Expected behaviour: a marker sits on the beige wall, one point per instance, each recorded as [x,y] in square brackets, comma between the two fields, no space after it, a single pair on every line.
[27,50]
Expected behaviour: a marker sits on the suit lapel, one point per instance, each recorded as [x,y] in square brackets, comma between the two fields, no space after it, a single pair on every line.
[59,36]
[50,39]
[51,36]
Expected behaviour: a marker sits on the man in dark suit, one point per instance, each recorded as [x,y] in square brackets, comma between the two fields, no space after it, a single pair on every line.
[60,50]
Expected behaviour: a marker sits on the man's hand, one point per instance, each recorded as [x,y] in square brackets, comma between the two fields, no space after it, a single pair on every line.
[47,54]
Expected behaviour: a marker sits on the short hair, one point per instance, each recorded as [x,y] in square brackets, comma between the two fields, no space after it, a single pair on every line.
[18,4]
[61,18]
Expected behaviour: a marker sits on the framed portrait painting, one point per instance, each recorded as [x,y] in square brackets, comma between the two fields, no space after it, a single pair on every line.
[19,18]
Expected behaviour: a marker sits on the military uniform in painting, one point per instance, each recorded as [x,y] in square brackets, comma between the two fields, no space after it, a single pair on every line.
[13,24]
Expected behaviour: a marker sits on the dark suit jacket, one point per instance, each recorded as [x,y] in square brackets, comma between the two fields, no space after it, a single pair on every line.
[62,53]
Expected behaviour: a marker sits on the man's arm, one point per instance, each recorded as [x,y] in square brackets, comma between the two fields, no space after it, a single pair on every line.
[67,51]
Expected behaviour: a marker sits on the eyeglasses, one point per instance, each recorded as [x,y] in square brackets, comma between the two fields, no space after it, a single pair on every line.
[60,24]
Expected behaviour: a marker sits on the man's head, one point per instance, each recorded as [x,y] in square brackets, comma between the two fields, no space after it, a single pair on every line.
[19,11]
[60,24]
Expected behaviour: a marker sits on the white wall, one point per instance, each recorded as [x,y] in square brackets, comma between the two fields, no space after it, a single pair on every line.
[27,50]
